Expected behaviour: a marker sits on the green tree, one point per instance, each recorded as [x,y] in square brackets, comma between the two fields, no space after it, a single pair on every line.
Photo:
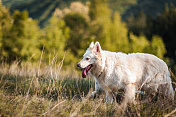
[137,25]
[54,40]
[100,16]
[142,44]
[108,28]
[21,40]
[158,47]
[165,26]
[138,43]
[5,26]
[30,41]
[79,33]
[118,35]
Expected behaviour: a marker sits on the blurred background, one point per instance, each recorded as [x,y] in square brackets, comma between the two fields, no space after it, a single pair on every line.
[64,29]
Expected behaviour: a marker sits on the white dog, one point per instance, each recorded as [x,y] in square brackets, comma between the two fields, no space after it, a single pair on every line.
[131,72]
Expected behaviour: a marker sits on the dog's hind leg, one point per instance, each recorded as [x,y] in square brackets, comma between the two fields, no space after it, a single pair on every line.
[109,96]
[169,91]
[129,96]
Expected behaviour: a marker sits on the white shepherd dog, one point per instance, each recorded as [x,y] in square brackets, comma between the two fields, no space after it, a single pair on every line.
[114,71]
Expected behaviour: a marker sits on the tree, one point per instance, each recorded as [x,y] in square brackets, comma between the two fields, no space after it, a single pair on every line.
[30,42]
[165,26]
[54,41]
[139,43]
[79,33]
[118,35]
[5,26]
[142,44]
[22,38]
[100,16]
[158,47]
[137,25]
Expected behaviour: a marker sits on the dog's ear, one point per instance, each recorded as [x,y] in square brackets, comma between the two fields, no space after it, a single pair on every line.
[91,46]
[97,47]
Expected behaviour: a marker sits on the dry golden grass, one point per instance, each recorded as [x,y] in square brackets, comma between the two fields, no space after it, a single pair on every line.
[39,90]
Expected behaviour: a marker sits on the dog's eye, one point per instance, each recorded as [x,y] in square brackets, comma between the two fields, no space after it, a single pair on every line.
[87,59]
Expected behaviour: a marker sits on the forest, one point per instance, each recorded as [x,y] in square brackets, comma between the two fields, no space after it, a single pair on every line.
[69,30]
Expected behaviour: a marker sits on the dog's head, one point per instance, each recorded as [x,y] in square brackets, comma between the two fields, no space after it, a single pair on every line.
[90,58]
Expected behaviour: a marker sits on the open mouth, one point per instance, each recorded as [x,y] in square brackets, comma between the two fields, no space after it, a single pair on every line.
[86,70]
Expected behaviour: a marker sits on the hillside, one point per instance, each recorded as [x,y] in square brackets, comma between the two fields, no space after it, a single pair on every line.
[38,9]
[150,7]
[43,9]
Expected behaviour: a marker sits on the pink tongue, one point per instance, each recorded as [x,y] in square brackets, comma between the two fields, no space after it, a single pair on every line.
[84,72]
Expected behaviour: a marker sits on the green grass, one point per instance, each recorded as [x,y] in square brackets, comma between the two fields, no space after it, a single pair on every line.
[28,90]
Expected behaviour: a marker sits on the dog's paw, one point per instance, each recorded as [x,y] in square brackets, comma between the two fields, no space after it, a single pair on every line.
[93,94]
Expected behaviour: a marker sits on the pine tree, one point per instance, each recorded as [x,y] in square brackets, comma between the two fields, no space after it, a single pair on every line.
[165,26]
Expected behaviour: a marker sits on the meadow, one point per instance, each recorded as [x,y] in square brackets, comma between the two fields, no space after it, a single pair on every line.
[48,90]
[31,86]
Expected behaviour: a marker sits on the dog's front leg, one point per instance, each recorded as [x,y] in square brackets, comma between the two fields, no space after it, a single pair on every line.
[97,88]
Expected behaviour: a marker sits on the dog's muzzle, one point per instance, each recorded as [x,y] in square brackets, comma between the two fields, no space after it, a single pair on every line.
[78,65]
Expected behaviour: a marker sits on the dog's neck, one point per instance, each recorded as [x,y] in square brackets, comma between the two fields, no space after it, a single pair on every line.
[99,67]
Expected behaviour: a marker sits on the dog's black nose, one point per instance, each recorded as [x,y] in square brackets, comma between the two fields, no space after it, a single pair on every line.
[78,65]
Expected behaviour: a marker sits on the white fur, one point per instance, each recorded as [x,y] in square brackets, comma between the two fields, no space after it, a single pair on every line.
[131,72]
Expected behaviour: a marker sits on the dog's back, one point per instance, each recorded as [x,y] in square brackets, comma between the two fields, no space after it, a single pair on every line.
[155,76]
[147,71]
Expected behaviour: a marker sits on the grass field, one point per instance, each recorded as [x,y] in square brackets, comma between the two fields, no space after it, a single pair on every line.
[30,90]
